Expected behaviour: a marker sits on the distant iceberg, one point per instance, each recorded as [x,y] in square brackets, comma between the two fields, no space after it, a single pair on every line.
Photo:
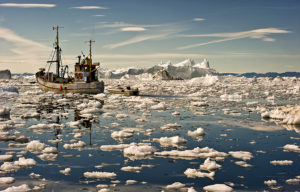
[186,69]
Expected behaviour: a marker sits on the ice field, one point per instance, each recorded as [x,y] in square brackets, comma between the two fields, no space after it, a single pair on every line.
[205,134]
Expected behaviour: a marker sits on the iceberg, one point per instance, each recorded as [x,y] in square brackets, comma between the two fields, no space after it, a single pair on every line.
[186,69]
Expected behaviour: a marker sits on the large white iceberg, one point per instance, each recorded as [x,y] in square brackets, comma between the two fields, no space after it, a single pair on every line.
[186,69]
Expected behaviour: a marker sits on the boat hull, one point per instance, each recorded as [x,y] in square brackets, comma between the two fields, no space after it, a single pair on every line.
[71,87]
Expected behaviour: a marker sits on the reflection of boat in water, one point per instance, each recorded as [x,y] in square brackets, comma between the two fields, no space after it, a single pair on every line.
[84,81]
[124,91]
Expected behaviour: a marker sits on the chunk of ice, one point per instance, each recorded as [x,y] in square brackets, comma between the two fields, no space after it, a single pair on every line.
[217,188]
[100,175]
[245,155]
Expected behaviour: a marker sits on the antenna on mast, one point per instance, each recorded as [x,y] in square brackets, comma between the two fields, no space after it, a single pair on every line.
[58,50]
[90,42]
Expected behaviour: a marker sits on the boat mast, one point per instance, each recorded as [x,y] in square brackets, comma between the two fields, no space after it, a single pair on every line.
[58,51]
[91,41]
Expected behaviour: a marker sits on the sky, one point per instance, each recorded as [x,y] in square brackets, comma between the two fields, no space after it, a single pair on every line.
[234,35]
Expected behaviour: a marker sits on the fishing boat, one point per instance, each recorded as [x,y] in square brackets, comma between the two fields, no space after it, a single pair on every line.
[124,91]
[85,78]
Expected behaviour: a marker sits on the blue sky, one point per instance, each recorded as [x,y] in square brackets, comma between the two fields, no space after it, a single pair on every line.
[234,35]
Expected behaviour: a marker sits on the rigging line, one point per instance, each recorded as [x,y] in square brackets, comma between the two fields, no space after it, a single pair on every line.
[51,54]
[92,34]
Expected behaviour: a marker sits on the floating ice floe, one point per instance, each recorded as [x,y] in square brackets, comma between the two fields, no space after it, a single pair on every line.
[101,186]
[7,180]
[21,188]
[191,189]
[104,190]
[199,104]
[30,115]
[130,182]
[90,110]
[234,97]
[170,141]
[270,182]
[9,167]
[171,127]
[49,150]
[66,171]
[100,96]
[159,106]
[217,188]
[16,165]
[193,154]
[197,173]
[107,115]
[197,133]
[121,134]
[289,115]
[100,175]
[245,155]
[210,165]
[77,135]
[90,104]
[293,181]
[121,116]
[6,158]
[74,124]
[25,163]
[243,163]
[34,175]
[281,162]
[291,148]
[48,157]
[175,113]
[208,80]
[78,145]
[139,151]
[176,185]
[119,147]
[132,169]
[46,126]
[35,146]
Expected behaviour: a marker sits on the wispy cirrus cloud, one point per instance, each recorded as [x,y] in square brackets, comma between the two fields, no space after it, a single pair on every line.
[149,32]
[99,15]
[25,51]
[198,19]
[89,7]
[133,29]
[253,34]
[27,5]
[136,39]
[121,24]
